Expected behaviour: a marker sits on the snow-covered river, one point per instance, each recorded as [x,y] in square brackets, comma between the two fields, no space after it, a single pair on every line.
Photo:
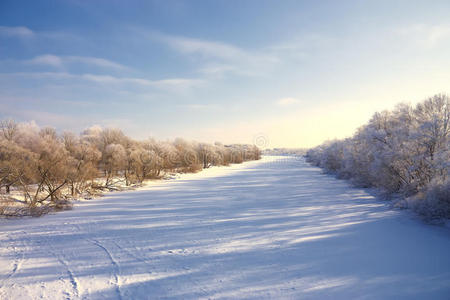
[272,229]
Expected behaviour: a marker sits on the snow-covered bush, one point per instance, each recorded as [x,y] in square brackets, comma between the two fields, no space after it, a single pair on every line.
[404,151]
[435,201]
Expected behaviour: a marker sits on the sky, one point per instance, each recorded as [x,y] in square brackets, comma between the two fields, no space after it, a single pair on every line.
[275,73]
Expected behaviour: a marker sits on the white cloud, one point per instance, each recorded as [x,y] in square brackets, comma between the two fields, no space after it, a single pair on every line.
[199,107]
[61,61]
[438,33]
[203,47]
[301,47]
[219,58]
[217,69]
[165,84]
[39,75]
[20,31]
[23,32]
[96,61]
[178,82]
[48,59]
[425,34]
[287,101]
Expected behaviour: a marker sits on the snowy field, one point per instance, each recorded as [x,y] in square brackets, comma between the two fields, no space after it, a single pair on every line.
[270,229]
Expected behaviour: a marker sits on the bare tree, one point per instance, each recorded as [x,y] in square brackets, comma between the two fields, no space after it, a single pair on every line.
[8,129]
[49,168]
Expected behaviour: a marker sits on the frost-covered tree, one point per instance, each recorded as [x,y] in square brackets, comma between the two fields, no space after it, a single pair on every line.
[406,151]
[15,165]
[114,161]
[83,163]
[49,168]
[8,129]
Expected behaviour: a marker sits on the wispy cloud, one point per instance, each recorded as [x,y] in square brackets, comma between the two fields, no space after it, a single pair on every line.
[61,61]
[170,83]
[203,47]
[301,47]
[42,117]
[215,68]
[100,62]
[38,75]
[20,32]
[43,100]
[163,83]
[25,33]
[48,59]
[426,34]
[199,107]
[287,101]
[217,58]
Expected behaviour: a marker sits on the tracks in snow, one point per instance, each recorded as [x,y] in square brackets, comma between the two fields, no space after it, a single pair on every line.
[17,264]
[72,278]
[131,254]
[18,261]
[116,272]
[19,257]
[60,257]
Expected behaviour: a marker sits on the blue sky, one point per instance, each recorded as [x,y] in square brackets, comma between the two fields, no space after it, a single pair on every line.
[295,72]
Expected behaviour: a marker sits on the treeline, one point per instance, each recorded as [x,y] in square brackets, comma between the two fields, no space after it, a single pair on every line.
[405,151]
[285,151]
[48,168]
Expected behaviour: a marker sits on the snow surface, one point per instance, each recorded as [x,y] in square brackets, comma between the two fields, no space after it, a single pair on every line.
[271,229]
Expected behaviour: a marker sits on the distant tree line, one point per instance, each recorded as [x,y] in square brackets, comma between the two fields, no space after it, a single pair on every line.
[285,151]
[405,151]
[49,168]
